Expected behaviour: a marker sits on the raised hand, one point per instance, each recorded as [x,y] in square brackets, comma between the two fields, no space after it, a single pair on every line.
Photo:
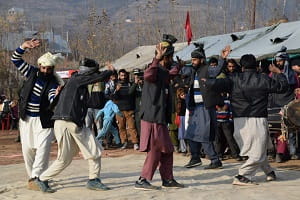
[226,51]
[160,50]
[30,44]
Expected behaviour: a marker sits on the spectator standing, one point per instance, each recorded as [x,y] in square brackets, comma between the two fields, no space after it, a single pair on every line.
[124,94]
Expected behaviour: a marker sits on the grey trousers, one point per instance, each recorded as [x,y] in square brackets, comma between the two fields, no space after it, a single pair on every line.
[71,139]
[251,134]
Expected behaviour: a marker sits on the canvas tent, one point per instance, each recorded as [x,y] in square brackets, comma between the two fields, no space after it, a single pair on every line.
[140,56]
[262,42]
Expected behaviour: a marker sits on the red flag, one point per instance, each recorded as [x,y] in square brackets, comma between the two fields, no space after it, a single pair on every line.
[188,28]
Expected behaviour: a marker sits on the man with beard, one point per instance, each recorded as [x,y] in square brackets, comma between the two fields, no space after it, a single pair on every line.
[282,65]
[124,94]
[201,114]
[36,95]
[155,115]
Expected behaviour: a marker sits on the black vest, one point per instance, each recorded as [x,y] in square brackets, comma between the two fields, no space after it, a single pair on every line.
[45,111]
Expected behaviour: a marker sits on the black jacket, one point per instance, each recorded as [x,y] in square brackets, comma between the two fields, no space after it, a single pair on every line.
[211,98]
[156,102]
[250,90]
[72,103]
[125,96]
[45,111]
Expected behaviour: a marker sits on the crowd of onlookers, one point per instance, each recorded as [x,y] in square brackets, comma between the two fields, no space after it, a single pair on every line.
[124,91]
[114,106]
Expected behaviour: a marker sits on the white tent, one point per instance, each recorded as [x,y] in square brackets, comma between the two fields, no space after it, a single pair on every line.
[140,56]
[262,43]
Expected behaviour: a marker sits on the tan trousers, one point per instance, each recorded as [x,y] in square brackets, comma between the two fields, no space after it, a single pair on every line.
[71,139]
[127,122]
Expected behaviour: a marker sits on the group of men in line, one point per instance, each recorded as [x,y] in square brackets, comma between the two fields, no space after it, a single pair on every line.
[45,103]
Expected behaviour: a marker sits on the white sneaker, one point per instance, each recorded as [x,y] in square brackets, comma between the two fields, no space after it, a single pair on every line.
[136,147]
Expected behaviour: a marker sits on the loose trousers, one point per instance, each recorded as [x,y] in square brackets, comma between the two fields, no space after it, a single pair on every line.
[36,144]
[71,139]
[251,134]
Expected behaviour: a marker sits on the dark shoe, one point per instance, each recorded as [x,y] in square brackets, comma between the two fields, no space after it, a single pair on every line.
[271,176]
[171,184]
[242,181]
[118,145]
[216,165]
[32,185]
[238,158]
[245,157]
[279,158]
[193,163]
[124,145]
[43,186]
[143,184]
[95,184]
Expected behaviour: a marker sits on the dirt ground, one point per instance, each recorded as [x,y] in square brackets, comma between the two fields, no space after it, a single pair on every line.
[11,152]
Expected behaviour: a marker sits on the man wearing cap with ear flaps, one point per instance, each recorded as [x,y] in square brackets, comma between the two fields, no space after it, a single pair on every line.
[36,95]
[201,114]
[155,115]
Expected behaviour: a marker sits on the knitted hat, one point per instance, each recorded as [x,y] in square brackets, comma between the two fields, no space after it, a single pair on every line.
[282,54]
[49,59]
[199,51]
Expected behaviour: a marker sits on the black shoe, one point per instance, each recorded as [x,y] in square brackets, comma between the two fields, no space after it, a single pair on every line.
[216,165]
[124,145]
[43,186]
[242,181]
[118,145]
[238,158]
[143,184]
[245,157]
[271,176]
[171,184]
[193,163]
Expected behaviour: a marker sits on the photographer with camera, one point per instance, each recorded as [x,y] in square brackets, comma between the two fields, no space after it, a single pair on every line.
[124,94]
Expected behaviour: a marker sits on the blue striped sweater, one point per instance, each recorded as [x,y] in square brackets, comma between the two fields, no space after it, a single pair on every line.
[33,104]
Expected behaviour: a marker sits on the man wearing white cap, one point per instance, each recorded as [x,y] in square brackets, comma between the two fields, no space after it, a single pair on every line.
[37,93]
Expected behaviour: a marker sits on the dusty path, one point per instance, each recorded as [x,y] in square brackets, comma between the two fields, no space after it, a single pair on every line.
[120,171]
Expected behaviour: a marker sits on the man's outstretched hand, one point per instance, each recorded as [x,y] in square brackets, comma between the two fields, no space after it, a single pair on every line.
[30,44]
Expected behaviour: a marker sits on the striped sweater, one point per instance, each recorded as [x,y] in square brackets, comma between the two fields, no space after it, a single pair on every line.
[33,104]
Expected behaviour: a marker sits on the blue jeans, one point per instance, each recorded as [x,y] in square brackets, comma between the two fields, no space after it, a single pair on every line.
[90,119]
[108,127]
[293,142]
